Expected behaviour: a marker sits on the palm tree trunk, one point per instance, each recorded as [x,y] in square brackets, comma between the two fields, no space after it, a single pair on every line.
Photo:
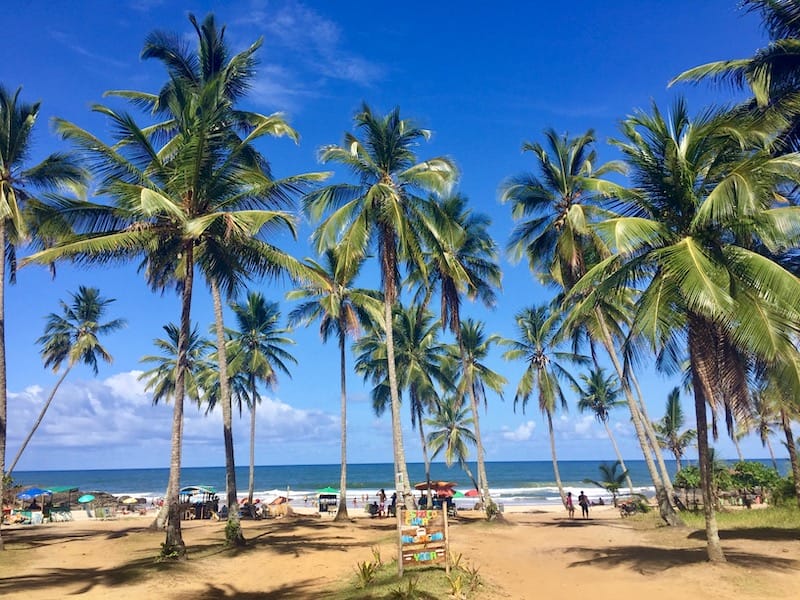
[233,529]
[341,508]
[555,459]
[702,390]
[667,513]
[768,444]
[483,480]
[651,436]
[619,457]
[792,448]
[467,470]
[425,459]
[737,446]
[3,397]
[174,547]
[38,421]
[251,480]
[400,467]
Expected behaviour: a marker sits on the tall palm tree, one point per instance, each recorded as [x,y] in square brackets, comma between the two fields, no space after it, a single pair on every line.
[669,429]
[764,422]
[20,183]
[701,203]
[556,210]
[611,480]
[257,348]
[544,369]
[451,433]
[461,259]
[600,394]
[72,337]
[329,296]
[188,191]
[421,362]
[382,208]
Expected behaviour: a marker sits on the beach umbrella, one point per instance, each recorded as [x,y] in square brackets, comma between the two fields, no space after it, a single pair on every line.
[328,490]
[32,493]
[435,485]
[472,494]
[130,500]
[85,498]
[458,494]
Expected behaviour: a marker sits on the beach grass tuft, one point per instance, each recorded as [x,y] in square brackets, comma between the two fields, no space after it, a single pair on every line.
[778,517]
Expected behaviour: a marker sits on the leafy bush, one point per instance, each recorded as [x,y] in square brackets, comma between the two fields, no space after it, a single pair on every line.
[783,491]
[687,478]
[753,476]
[366,571]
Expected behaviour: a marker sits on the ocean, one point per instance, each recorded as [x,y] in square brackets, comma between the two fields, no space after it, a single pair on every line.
[511,483]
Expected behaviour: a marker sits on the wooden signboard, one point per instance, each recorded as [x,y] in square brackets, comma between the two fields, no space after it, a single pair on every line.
[422,538]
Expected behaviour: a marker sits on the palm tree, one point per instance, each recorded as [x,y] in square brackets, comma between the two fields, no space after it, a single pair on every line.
[257,348]
[381,208]
[72,337]
[599,394]
[162,377]
[19,184]
[610,480]
[556,211]
[765,421]
[700,204]
[341,309]
[203,197]
[452,433]
[669,428]
[535,345]
[461,259]
[422,363]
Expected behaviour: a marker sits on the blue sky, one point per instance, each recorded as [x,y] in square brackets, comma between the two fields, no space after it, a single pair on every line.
[483,76]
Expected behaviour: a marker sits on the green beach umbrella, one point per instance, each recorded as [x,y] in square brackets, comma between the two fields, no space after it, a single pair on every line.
[458,495]
[328,490]
[85,498]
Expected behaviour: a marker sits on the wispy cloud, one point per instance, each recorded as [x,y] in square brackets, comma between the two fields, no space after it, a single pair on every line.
[312,44]
[65,40]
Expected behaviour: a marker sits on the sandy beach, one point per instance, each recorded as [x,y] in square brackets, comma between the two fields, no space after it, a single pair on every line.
[537,552]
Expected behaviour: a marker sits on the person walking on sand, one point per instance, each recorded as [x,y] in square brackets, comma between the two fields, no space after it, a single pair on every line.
[583,500]
[570,506]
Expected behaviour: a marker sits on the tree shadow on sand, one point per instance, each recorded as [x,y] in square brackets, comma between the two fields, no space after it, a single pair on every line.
[649,560]
[296,590]
[763,534]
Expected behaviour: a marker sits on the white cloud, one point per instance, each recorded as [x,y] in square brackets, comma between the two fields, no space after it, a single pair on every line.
[521,434]
[116,416]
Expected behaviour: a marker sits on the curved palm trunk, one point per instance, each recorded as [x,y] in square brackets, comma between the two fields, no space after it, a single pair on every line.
[400,467]
[38,421]
[651,436]
[251,480]
[792,448]
[174,547]
[341,508]
[700,359]
[737,446]
[426,460]
[667,513]
[233,529]
[768,444]
[3,398]
[619,458]
[467,470]
[483,480]
[555,458]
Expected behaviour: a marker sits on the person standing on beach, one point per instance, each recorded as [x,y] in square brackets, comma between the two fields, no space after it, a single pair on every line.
[382,503]
[570,506]
[583,500]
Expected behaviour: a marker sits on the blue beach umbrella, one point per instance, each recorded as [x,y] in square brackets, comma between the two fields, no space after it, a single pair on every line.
[32,493]
[85,498]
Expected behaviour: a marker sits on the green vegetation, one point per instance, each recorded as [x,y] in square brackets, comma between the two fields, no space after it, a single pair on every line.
[375,580]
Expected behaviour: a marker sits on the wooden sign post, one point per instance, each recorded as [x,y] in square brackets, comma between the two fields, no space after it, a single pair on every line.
[422,538]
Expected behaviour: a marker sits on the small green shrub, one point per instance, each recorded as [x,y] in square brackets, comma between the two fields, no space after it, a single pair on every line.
[376,556]
[409,592]
[366,571]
